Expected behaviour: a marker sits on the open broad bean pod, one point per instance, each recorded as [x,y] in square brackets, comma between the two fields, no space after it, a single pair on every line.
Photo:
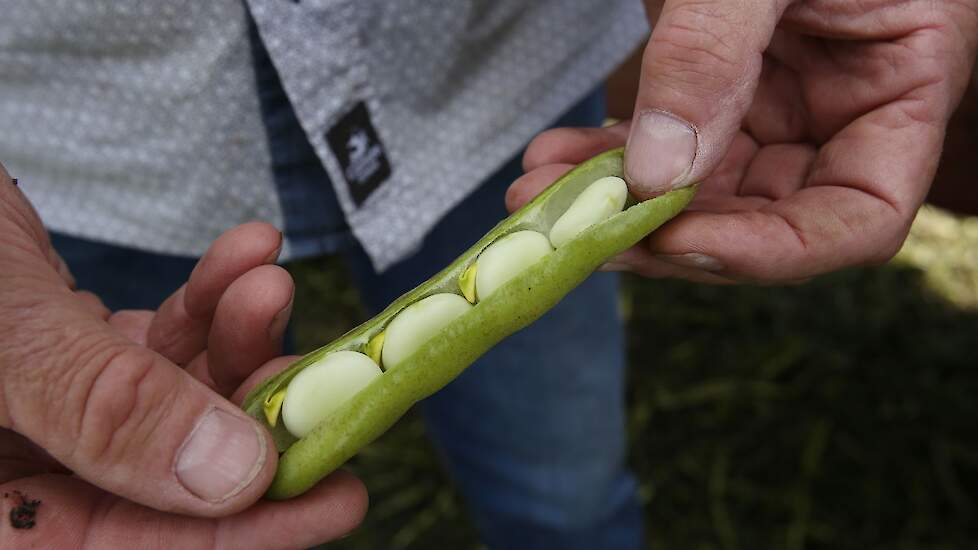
[329,404]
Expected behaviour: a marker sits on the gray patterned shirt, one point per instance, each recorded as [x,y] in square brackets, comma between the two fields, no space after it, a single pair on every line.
[137,122]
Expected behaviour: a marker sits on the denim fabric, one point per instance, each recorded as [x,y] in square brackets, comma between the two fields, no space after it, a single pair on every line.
[533,433]
[314,222]
[124,278]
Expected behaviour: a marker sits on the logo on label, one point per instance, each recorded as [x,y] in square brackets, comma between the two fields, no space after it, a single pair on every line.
[357,147]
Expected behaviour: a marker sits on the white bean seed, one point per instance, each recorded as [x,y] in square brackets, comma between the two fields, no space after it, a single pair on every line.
[601,200]
[323,386]
[506,258]
[417,323]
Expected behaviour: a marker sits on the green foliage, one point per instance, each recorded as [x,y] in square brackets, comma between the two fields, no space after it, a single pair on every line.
[837,414]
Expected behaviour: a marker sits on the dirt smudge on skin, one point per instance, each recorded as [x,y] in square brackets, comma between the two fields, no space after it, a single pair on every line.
[23,515]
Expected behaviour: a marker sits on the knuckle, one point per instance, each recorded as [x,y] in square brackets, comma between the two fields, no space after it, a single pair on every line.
[119,402]
[698,50]
[41,359]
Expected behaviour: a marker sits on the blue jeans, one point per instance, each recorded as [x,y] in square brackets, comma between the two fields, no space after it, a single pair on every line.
[532,433]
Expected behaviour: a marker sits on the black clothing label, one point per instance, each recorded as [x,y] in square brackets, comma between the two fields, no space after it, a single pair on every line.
[361,155]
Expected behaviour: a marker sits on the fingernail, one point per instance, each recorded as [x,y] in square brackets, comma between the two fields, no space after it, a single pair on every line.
[222,456]
[660,153]
[277,327]
[694,260]
[273,257]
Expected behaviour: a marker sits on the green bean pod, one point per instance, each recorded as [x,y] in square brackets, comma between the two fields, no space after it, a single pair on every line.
[514,305]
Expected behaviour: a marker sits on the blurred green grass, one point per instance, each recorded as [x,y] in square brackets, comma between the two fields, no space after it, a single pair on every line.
[839,414]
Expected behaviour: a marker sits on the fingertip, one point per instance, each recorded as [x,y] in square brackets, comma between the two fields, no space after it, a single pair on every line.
[263,234]
[531,184]
[642,262]
[539,152]
[573,145]
[328,511]
[356,499]
[257,236]
[343,497]
[226,462]
[266,289]
[236,251]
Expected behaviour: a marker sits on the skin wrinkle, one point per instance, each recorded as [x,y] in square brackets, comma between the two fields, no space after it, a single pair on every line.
[9,241]
[870,61]
[853,231]
[745,166]
[685,71]
[136,412]
[797,231]
[914,116]
[54,381]
[78,399]
[703,40]
[35,338]
[682,77]
[712,10]
[790,120]
[21,219]
[848,20]
[147,421]
[763,200]
[814,99]
[725,56]
[15,318]
[870,188]
[796,154]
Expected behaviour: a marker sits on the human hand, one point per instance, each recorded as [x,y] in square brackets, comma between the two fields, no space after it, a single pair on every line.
[120,423]
[815,127]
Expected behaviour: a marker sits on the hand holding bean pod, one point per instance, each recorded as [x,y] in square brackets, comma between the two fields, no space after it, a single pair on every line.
[422,341]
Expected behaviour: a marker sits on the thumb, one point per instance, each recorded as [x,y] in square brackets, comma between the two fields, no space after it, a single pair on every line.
[127,420]
[699,73]
[117,414]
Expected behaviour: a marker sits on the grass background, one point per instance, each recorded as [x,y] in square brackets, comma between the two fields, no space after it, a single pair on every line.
[839,414]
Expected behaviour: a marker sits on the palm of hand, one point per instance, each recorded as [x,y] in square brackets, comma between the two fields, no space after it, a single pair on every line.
[845,115]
